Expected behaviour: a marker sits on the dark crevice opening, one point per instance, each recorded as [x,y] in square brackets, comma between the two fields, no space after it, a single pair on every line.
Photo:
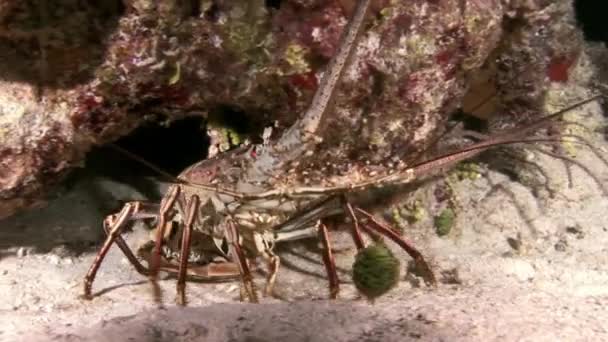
[173,147]
[276,4]
[212,14]
[195,8]
[591,17]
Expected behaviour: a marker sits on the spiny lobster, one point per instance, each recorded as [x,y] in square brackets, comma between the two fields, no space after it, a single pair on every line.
[227,201]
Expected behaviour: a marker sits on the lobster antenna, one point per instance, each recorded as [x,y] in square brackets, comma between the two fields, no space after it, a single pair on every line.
[513,136]
[405,176]
[300,137]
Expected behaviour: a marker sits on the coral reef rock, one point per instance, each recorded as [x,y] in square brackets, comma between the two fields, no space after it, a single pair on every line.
[78,74]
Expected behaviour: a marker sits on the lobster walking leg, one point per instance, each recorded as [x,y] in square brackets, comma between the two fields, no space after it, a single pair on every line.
[330,262]
[273,268]
[142,210]
[166,207]
[191,212]
[114,226]
[384,229]
[237,254]
[355,229]
[117,223]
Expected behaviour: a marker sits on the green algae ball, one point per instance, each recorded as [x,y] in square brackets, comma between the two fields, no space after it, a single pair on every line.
[375,271]
[444,222]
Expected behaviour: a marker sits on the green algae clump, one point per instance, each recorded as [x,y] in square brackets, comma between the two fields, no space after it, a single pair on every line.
[375,271]
[444,222]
